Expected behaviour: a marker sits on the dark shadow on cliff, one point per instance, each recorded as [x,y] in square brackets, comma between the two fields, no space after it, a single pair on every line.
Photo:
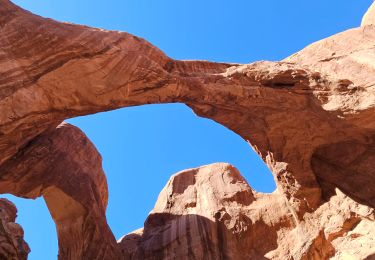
[349,166]
[168,236]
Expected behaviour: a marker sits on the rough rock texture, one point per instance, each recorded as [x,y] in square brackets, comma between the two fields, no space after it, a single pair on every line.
[12,245]
[205,213]
[310,117]
[64,167]
[211,213]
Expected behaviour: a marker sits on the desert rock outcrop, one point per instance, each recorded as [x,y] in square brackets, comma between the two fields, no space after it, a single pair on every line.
[12,245]
[211,213]
[64,167]
[310,117]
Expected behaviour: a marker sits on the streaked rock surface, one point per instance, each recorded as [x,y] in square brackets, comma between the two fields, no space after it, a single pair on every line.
[310,117]
[64,167]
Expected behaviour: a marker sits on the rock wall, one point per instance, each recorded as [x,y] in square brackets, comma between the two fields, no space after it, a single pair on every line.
[310,117]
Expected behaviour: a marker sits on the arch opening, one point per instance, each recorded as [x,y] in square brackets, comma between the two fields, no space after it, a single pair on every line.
[143,146]
[34,215]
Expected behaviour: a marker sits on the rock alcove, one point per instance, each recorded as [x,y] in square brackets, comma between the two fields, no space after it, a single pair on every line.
[310,117]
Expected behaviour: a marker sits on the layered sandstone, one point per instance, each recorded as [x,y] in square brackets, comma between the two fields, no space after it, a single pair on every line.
[310,117]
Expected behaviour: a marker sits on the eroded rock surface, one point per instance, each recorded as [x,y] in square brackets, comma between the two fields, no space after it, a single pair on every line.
[211,213]
[205,213]
[12,245]
[64,167]
[310,117]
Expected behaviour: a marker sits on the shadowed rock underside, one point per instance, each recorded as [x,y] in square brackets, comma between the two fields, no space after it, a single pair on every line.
[311,118]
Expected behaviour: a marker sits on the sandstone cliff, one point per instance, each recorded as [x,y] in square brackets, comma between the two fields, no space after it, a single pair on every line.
[310,117]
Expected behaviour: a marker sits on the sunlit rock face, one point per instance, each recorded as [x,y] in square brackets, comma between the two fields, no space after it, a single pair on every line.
[207,213]
[211,213]
[369,17]
[311,117]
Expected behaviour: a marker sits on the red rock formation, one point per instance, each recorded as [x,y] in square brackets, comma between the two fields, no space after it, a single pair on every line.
[203,213]
[64,167]
[12,245]
[211,213]
[310,117]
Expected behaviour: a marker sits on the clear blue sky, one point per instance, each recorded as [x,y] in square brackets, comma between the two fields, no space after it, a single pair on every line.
[143,146]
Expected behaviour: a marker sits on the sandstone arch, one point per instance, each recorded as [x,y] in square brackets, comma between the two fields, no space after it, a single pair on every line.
[292,111]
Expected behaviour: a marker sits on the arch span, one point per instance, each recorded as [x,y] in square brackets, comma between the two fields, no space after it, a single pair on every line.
[287,111]
[142,146]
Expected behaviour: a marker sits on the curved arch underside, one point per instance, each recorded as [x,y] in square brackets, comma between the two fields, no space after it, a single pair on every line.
[310,117]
